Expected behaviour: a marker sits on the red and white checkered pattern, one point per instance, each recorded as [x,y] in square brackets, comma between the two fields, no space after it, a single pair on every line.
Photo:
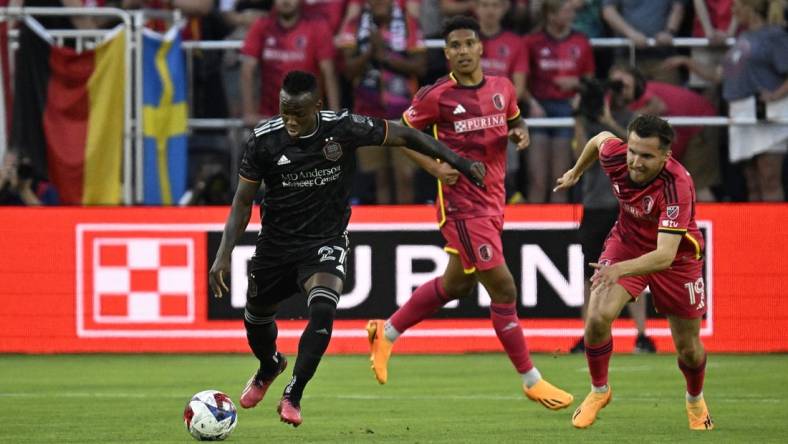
[143,280]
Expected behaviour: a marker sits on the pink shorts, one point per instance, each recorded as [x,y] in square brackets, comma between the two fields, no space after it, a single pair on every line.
[477,241]
[678,290]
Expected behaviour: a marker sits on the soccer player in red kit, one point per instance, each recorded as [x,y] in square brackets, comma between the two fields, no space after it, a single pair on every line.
[474,115]
[655,243]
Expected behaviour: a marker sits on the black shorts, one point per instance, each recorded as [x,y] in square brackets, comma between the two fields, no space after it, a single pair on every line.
[274,276]
[594,229]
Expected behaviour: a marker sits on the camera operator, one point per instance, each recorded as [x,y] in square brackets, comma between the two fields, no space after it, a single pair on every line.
[696,147]
[19,186]
[602,108]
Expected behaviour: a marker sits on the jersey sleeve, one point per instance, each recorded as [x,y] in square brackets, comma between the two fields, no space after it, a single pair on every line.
[423,111]
[676,208]
[253,42]
[587,64]
[251,169]
[613,156]
[365,130]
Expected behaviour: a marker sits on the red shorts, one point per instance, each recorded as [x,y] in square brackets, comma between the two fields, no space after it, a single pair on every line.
[477,241]
[678,290]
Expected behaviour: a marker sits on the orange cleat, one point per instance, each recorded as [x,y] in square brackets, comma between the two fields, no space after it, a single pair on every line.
[289,413]
[548,395]
[585,415]
[380,349]
[699,417]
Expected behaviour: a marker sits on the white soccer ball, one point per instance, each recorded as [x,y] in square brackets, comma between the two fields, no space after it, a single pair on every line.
[210,416]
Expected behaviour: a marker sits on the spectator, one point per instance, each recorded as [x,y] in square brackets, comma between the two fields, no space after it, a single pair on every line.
[283,42]
[20,186]
[556,58]
[754,70]
[694,146]
[588,20]
[713,20]
[384,56]
[639,20]
[502,56]
[332,11]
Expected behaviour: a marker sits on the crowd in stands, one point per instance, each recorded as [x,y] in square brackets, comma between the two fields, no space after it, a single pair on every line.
[371,58]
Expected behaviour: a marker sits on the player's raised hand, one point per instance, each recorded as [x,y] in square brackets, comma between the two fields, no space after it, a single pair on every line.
[446,174]
[520,137]
[568,180]
[216,278]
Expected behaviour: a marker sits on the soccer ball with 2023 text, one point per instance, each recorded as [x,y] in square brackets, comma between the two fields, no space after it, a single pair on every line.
[210,416]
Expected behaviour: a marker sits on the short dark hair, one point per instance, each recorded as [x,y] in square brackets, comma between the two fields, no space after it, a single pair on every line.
[299,82]
[647,125]
[460,22]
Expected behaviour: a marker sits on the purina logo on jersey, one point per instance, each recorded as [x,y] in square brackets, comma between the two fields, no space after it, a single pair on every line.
[479,123]
[137,281]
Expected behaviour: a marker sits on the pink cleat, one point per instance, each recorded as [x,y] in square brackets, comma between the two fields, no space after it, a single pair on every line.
[256,387]
[289,413]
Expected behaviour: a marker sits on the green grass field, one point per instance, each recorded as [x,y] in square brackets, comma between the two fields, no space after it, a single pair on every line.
[447,399]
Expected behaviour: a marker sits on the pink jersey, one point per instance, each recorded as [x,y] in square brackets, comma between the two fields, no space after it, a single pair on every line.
[503,55]
[547,58]
[678,101]
[666,204]
[281,50]
[474,122]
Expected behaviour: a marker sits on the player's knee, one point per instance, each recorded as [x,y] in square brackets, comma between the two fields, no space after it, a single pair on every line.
[459,290]
[690,352]
[259,315]
[322,303]
[597,324]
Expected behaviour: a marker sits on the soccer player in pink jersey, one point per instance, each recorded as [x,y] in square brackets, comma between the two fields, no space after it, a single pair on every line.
[655,243]
[474,115]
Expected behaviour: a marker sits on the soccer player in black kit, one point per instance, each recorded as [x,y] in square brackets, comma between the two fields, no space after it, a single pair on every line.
[306,158]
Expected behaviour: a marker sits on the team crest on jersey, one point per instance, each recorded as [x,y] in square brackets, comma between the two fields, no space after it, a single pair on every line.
[485,252]
[503,51]
[300,42]
[648,204]
[332,151]
[498,102]
[672,211]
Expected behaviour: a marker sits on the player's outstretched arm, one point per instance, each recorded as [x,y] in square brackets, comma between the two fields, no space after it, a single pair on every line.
[240,212]
[440,170]
[399,135]
[588,156]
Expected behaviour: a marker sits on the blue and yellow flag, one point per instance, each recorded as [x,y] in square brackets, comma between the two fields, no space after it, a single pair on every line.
[164,117]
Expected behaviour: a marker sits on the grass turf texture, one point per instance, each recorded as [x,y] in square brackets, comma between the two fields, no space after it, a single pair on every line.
[429,398]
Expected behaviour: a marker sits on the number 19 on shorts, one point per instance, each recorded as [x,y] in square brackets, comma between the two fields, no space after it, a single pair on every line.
[695,291]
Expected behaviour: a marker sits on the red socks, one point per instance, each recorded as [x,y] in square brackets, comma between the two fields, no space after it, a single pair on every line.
[510,333]
[425,301]
[694,377]
[598,357]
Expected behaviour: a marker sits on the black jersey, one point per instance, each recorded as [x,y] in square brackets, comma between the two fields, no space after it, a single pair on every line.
[308,179]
